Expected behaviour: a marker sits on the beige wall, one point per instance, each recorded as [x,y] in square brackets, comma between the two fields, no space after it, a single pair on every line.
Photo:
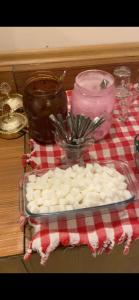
[20,38]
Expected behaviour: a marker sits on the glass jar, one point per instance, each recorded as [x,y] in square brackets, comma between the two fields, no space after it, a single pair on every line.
[43,96]
[91,98]
[73,154]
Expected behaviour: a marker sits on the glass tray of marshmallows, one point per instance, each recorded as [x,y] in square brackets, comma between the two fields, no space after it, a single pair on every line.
[77,189]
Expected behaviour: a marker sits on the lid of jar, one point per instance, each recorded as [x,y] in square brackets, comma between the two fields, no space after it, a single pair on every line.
[94,81]
[15,101]
[122,71]
[38,82]
[12,123]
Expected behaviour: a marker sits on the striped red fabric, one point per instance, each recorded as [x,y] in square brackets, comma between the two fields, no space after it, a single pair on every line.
[100,232]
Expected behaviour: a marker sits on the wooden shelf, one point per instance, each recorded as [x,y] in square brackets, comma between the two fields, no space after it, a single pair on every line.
[11,237]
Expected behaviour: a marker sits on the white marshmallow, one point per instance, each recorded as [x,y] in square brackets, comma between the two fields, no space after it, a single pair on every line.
[70,199]
[39,201]
[127,194]
[44,209]
[79,205]
[77,168]
[29,197]
[68,207]
[75,187]
[32,207]
[36,194]
[54,201]
[44,177]
[31,185]
[54,208]
[89,167]
[122,186]
[63,201]
[62,207]
[32,178]
[50,173]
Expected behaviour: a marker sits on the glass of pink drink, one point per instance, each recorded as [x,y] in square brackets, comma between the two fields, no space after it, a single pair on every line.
[91,98]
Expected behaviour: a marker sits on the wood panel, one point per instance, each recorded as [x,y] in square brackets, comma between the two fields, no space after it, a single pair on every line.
[11,238]
[109,53]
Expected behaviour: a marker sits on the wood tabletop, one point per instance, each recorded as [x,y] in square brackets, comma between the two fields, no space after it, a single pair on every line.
[11,237]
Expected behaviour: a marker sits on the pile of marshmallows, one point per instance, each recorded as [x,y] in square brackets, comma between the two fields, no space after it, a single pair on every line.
[74,188]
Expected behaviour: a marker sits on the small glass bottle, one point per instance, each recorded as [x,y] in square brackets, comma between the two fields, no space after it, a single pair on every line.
[122,76]
[124,91]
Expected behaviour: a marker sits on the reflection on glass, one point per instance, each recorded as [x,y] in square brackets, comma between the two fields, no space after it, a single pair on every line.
[122,77]
[124,97]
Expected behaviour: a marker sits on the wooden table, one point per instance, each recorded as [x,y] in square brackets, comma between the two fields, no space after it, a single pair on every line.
[11,238]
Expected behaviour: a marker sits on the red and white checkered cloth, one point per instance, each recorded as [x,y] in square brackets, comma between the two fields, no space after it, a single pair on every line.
[99,231]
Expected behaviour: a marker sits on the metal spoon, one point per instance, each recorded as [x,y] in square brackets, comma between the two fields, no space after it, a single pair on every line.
[85,125]
[59,127]
[94,124]
[71,124]
[104,84]
[60,82]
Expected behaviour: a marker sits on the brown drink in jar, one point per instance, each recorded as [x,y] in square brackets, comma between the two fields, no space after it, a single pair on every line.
[43,96]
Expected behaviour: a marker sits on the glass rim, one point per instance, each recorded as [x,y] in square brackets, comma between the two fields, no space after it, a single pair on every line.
[67,146]
[41,75]
[125,69]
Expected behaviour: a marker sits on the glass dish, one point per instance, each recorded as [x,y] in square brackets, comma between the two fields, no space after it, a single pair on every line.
[120,166]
